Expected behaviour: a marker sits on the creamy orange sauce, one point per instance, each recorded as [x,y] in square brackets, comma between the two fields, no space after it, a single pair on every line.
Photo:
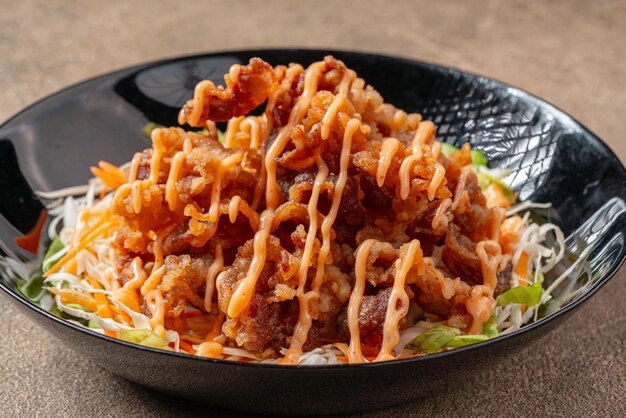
[440,220]
[330,115]
[253,125]
[481,304]
[233,208]
[245,289]
[399,118]
[134,167]
[304,317]
[214,269]
[389,148]
[434,184]
[199,99]
[136,190]
[227,163]
[157,153]
[156,305]
[171,194]
[425,131]
[405,173]
[394,314]
[356,297]
[242,295]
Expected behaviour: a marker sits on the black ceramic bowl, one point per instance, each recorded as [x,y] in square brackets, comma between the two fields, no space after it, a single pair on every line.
[552,158]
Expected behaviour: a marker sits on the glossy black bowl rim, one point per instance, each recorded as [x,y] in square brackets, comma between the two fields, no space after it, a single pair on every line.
[398,59]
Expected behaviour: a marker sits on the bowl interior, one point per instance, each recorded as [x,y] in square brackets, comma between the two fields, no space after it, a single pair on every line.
[551,158]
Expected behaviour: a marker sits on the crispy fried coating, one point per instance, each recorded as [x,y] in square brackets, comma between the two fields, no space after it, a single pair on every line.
[209,195]
[245,92]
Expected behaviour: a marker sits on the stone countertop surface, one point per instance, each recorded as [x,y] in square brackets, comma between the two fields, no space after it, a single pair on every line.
[569,52]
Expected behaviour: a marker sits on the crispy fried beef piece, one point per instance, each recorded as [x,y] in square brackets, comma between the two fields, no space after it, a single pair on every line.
[246,92]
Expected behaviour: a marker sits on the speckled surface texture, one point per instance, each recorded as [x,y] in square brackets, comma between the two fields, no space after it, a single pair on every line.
[569,53]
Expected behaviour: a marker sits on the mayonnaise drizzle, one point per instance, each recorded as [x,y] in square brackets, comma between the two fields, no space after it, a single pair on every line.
[214,269]
[243,294]
[231,129]
[388,150]
[134,167]
[252,124]
[356,297]
[304,317]
[391,335]
[171,194]
[226,164]
[480,305]
[157,153]
[199,99]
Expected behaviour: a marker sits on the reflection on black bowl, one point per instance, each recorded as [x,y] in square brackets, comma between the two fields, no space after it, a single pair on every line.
[551,158]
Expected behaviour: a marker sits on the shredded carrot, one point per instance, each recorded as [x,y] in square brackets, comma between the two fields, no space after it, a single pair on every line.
[129,298]
[187,347]
[121,316]
[104,311]
[521,269]
[76,297]
[111,175]
[104,191]
[30,240]
[72,266]
[86,240]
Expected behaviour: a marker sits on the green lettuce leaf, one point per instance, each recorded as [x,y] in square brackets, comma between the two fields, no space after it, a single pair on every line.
[528,295]
[490,328]
[434,339]
[143,337]
[484,180]
[463,340]
[447,149]
[478,158]
[52,250]
[32,288]
[77,306]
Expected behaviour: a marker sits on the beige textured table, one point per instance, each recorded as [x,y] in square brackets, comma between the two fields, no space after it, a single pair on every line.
[571,53]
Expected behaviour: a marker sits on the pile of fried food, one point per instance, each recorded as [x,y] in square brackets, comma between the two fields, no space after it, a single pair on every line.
[325,219]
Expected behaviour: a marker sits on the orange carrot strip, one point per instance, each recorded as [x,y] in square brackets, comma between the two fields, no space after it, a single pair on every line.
[78,298]
[521,269]
[30,240]
[110,167]
[84,242]
[104,311]
[104,191]
[111,179]
[187,347]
